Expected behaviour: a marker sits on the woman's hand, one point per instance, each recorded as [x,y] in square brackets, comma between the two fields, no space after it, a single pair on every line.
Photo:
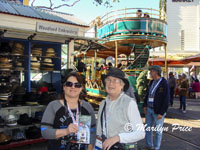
[159,117]
[108,143]
[90,147]
[72,128]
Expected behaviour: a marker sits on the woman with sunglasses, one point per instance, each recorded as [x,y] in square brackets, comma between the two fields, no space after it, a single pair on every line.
[61,117]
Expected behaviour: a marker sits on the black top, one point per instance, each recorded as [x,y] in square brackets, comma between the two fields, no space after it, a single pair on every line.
[56,116]
[161,97]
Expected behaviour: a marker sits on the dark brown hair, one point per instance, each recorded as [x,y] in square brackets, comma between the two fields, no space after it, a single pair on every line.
[76,75]
[79,78]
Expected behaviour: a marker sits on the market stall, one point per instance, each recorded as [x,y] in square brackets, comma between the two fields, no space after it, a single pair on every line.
[30,67]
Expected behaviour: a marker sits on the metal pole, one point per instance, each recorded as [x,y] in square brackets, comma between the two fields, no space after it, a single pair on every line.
[116,54]
[28,67]
[95,64]
[125,12]
[166,69]
[85,63]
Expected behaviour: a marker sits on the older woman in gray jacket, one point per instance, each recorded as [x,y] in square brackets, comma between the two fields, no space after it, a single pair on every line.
[119,121]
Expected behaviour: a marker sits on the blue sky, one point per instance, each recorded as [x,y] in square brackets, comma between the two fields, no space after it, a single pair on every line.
[86,10]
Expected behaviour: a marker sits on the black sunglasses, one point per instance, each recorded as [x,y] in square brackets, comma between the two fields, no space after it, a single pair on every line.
[70,84]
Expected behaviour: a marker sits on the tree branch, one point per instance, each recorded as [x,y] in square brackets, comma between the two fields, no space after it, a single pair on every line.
[32,3]
[66,4]
[106,3]
[51,4]
[56,7]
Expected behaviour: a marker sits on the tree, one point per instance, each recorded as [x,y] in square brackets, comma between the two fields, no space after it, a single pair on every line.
[71,3]
[142,84]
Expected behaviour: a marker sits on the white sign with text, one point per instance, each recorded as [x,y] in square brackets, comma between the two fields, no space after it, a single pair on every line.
[56,29]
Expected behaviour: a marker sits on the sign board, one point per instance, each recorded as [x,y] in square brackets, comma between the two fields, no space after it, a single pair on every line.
[56,29]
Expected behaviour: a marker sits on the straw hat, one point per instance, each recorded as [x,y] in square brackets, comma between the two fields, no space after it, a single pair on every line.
[47,65]
[18,46]
[36,52]
[18,49]
[34,59]
[4,60]
[19,66]
[6,66]
[50,52]
[47,60]
[35,65]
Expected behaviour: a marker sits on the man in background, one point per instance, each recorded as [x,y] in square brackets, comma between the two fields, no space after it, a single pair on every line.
[172,84]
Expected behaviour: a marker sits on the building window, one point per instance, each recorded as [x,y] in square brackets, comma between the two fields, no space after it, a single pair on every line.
[182,39]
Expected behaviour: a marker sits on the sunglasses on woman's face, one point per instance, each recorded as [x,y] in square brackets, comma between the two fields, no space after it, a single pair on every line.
[70,84]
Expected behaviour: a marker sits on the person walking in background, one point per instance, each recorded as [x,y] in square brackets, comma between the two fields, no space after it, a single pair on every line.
[196,86]
[172,85]
[183,88]
[156,104]
[178,82]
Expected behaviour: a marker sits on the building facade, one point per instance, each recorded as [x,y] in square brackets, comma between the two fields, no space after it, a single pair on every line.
[183,31]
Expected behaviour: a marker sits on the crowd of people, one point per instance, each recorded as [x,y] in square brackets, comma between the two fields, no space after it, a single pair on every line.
[184,86]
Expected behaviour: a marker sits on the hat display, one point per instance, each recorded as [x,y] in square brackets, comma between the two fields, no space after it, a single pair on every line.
[38,116]
[5,96]
[31,98]
[34,59]
[18,65]
[47,64]
[35,65]
[5,73]
[33,132]
[44,98]
[4,139]
[117,73]
[20,90]
[18,49]
[5,64]
[50,52]
[36,52]
[18,96]
[11,120]
[43,89]
[24,119]
[156,68]
[4,60]
[14,79]
[5,92]
[18,135]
